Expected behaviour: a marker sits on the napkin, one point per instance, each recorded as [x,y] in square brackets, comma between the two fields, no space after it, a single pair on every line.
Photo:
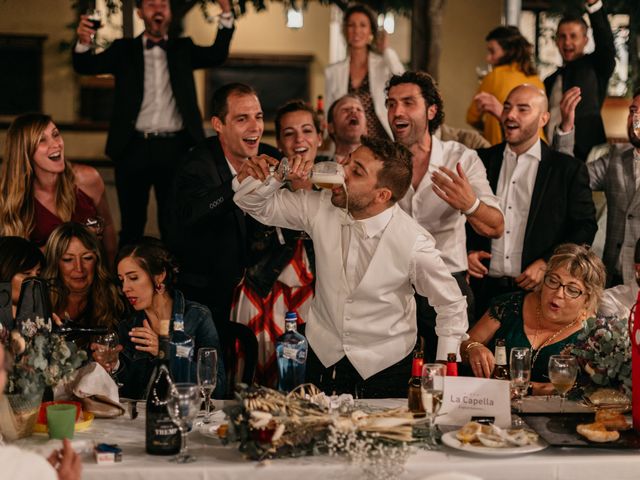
[94,388]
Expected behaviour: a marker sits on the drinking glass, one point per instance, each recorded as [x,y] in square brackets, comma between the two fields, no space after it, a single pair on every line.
[207,371]
[519,374]
[432,391]
[95,17]
[107,345]
[183,406]
[563,371]
[327,175]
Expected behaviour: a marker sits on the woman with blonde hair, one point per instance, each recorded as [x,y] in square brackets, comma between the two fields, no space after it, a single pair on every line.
[545,320]
[40,189]
[83,291]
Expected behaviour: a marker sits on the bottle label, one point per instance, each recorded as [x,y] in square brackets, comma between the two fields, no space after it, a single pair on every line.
[183,351]
[501,355]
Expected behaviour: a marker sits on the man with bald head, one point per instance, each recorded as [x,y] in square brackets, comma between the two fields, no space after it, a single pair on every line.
[545,197]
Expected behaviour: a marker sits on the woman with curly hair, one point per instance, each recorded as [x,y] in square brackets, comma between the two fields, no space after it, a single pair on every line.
[83,291]
[511,56]
[39,189]
[147,273]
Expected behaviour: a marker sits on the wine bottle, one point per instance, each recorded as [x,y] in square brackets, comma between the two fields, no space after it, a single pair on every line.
[181,352]
[452,365]
[291,352]
[500,370]
[415,382]
[162,435]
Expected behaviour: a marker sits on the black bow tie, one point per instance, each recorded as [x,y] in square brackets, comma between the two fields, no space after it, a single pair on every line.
[160,43]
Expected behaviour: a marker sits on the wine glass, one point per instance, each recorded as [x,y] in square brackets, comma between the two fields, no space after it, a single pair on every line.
[95,17]
[107,349]
[563,371]
[183,406]
[520,375]
[207,371]
[432,391]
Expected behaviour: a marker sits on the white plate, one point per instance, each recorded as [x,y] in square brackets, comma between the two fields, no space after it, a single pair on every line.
[210,429]
[450,440]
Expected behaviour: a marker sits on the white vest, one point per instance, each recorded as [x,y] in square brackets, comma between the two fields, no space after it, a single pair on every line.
[375,325]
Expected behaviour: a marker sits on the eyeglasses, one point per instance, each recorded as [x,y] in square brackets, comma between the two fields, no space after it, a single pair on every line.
[569,290]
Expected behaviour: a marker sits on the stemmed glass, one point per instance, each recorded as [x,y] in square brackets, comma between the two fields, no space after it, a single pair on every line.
[95,17]
[432,390]
[520,374]
[563,371]
[183,406]
[207,371]
[107,349]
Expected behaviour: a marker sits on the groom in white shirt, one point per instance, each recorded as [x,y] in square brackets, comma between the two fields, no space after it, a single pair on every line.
[361,326]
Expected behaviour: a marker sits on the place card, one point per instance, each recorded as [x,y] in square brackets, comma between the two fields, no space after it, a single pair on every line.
[467,397]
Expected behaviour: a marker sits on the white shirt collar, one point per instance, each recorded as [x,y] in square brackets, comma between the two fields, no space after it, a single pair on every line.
[535,151]
[374,225]
[436,159]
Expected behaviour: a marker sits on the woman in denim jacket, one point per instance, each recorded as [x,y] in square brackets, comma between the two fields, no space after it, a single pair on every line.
[147,272]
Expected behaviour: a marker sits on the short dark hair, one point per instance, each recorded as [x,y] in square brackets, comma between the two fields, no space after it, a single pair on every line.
[371,16]
[517,48]
[333,106]
[154,258]
[296,105]
[18,255]
[219,101]
[430,93]
[572,18]
[396,170]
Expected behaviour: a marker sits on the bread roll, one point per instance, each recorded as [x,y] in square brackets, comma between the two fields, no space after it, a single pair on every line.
[597,432]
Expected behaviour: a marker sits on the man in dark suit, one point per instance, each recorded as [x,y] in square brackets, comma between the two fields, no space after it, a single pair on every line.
[209,233]
[155,112]
[590,73]
[544,195]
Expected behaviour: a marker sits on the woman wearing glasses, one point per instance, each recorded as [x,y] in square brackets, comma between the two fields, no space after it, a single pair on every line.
[545,320]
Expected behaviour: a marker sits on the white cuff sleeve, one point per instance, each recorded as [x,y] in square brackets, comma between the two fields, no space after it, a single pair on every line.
[82,48]
[562,133]
[225,21]
[595,7]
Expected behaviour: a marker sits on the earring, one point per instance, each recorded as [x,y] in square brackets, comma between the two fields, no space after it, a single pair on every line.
[160,288]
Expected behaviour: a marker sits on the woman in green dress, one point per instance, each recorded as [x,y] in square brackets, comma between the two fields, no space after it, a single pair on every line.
[545,320]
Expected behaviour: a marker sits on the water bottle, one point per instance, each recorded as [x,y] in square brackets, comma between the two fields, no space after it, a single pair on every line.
[291,350]
[181,352]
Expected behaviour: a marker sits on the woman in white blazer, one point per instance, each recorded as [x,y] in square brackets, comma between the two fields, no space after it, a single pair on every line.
[364,72]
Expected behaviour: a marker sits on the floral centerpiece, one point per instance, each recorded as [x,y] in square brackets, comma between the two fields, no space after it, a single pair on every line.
[41,359]
[604,354]
[270,424]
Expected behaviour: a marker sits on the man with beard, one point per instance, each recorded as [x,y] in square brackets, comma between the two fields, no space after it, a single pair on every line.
[361,326]
[582,75]
[347,124]
[155,116]
[617,174]
[448,187]
[544,195]
[209,234]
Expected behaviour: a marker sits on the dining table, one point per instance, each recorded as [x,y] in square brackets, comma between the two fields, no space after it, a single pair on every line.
[216,461]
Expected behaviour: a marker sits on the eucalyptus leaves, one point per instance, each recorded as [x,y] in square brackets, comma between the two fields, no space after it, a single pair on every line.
[42,358]
[604,353]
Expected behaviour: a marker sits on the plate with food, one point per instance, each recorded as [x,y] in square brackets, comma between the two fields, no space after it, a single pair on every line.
[607,398]
[492,440]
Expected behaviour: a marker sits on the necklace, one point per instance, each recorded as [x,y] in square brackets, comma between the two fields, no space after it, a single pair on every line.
[550,339]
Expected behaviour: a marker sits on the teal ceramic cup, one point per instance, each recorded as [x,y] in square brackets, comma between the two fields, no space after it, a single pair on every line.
[61,419]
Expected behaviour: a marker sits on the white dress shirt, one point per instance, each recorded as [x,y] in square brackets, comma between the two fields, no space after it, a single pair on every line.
[364,306]
[158,111]
[446,224]
[515,188]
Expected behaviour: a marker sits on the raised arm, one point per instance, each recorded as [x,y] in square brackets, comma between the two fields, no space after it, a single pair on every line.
[604,54]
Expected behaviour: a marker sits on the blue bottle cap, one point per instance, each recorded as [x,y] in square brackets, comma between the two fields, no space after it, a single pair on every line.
[291,317]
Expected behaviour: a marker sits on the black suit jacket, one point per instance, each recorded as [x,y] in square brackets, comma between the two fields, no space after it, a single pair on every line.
[124,59]
[561,211]
[591,73]
[208,232]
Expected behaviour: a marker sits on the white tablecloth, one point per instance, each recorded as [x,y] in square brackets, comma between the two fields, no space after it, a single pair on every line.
[226,462]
